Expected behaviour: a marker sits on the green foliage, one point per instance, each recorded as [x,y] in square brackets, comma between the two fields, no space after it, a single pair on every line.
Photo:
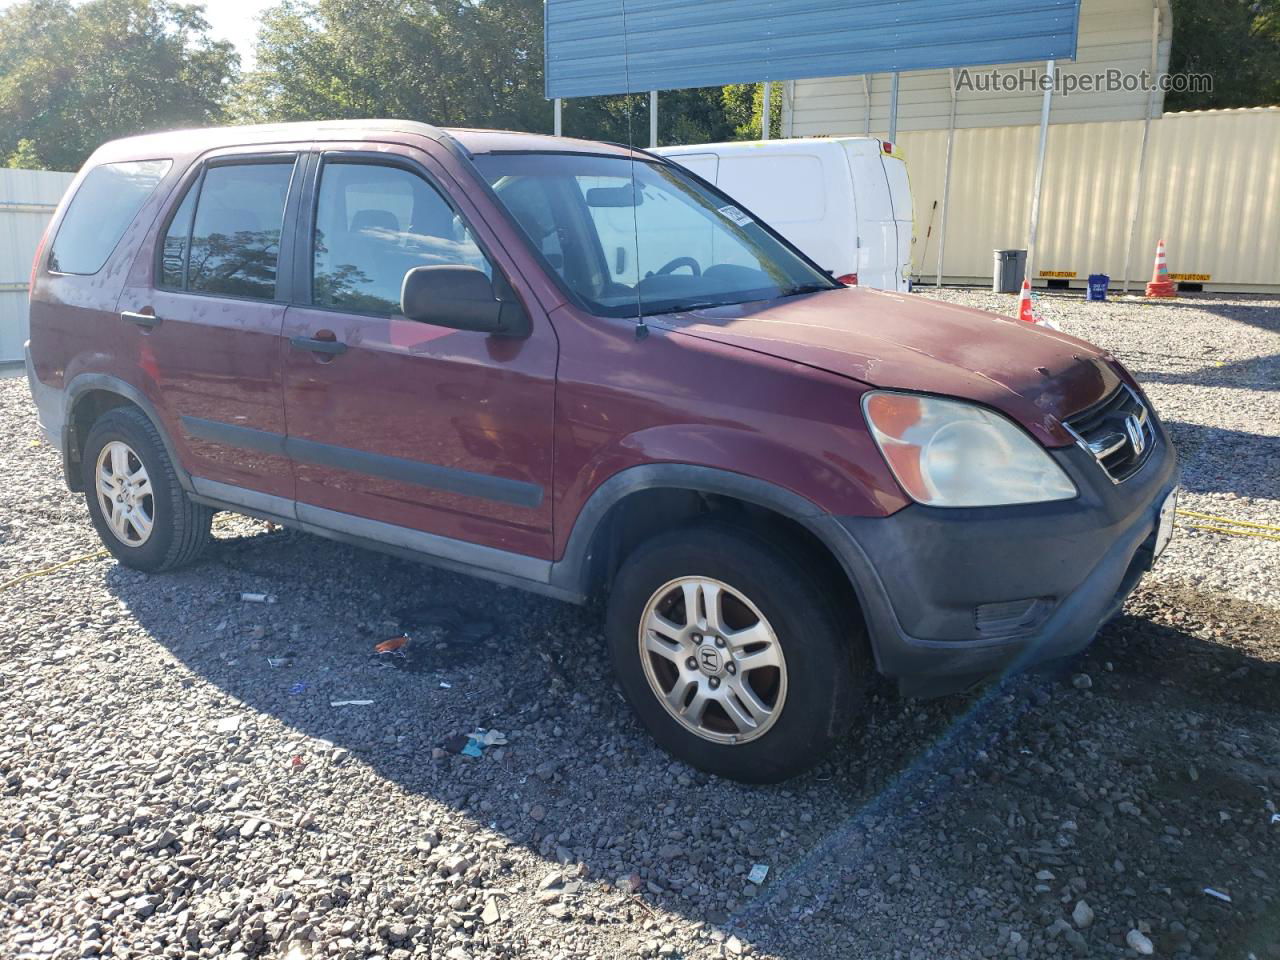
[1237,42]
[73,76]
[744,106]
[464,62]
[24,157]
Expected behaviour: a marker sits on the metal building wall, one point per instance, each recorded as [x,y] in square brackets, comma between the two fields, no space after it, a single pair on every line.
[27,201]
[1212,192]
[1113,34]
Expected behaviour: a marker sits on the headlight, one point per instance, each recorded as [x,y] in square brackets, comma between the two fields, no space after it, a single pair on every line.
[947,453]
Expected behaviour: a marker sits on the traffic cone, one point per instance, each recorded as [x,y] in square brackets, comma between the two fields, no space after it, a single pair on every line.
[1161,285]
[1024,303]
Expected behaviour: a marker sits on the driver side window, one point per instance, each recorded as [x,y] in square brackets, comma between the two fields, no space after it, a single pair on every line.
[375,223]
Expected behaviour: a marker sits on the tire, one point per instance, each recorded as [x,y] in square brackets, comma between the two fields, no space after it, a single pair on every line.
[178,528]
[822,674]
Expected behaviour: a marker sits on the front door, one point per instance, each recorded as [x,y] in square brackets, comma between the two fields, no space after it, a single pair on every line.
[397,428]
[207,315]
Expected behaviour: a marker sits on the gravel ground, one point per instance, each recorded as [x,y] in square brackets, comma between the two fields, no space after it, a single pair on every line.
[176,781]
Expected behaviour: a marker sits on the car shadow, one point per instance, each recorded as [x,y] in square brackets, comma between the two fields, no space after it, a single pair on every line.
[1215,460]
[924,785]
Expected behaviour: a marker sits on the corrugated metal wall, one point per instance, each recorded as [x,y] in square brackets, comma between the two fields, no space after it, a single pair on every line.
[27,201]
[1212,192]
[618,46]
[1114,34]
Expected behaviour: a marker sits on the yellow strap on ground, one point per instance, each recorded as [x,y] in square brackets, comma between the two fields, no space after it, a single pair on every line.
[1229,521]
[54,569]
[1234,533]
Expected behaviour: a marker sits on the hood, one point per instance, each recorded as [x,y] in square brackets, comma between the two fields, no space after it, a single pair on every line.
[1033,374]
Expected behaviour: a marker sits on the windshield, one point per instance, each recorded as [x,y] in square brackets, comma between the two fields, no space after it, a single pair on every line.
[665,244]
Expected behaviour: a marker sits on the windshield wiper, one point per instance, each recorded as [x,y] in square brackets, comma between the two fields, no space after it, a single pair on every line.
[806,288]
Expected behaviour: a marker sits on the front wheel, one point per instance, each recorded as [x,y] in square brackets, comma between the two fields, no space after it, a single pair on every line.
[732,654]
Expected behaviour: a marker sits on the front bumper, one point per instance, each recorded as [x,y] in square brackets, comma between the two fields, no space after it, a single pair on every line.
[952,595]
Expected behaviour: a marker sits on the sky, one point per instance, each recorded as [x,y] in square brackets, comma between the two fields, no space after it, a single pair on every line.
[233,20]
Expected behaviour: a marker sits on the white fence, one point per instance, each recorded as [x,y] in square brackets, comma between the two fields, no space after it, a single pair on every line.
[27,201]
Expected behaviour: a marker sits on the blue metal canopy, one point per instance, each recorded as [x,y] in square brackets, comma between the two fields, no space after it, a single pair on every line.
[627,46]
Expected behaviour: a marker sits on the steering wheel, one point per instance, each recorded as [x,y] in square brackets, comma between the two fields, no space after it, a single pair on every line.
[679,262]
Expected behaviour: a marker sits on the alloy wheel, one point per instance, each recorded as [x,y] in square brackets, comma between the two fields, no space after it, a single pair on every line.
[124,494]
[713,660]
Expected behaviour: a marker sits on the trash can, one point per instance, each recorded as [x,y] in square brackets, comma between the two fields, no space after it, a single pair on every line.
[1098,283]
[1010,265]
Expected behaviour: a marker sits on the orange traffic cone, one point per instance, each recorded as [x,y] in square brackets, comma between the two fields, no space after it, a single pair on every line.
[1024,303]
[1161,285]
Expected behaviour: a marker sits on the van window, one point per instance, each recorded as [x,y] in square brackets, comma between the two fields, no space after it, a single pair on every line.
[375,223]
[781,188]
[235,233]
[109,197]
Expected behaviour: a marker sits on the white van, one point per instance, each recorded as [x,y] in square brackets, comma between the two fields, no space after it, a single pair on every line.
[845,201]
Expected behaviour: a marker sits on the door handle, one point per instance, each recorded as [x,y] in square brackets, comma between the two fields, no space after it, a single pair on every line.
[316,345]
[147,320]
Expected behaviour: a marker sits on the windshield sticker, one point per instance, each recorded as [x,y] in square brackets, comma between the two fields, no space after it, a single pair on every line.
[736,215]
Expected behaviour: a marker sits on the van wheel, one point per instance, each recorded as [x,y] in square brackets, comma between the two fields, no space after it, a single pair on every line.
[731,653]
[138,506]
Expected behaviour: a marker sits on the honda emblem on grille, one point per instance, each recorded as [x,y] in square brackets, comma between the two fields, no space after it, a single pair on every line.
[1133,427]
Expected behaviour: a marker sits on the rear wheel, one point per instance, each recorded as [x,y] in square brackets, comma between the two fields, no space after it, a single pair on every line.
[732,653]
[139,508]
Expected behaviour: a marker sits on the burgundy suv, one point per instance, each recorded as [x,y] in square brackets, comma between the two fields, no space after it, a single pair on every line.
[578,368]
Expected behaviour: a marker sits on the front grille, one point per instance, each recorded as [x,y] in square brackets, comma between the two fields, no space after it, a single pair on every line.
[1118,432]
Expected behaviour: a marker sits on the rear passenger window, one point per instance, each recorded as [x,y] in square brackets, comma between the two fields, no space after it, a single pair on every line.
[226,240]
[109,197]
[373,225]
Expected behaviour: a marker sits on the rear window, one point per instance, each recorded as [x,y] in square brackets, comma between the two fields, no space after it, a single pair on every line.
[109,197]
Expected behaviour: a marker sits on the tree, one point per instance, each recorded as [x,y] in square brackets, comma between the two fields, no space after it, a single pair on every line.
[476,62]
[72,77]
[1237,42]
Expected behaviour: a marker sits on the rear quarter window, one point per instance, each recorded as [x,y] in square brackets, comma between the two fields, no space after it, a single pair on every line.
[109,197]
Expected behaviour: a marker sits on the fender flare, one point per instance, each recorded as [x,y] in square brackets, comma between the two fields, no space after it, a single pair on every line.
[572,571]
[87,382]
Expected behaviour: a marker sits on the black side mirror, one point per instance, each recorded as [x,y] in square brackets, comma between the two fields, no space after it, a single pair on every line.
[461,297]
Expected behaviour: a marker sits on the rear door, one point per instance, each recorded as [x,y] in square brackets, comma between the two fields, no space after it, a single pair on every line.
[877,227]
[420,435]
[895,169]
[204,314]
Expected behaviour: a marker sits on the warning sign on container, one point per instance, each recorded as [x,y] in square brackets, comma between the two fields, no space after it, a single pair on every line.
[1059,274]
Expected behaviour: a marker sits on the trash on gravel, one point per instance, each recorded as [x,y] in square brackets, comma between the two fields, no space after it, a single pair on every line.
[472,748]
[228,725]
[351,703]
[297,688]
[395,645]
[296,761]
[1275,818]
[257,598]
[275,663]
[1139,941]
[758,873]
[490,738]
[446,685]
[1218,894]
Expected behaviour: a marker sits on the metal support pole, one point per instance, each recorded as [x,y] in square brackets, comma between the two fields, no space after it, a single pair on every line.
[946,180]
[766,111]
[789,109]
[1136,208]
[866,96]
[559,121]
[1034,230]
[653,119]
[893,109]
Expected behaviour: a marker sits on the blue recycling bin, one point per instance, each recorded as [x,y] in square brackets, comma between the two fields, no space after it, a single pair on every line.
[1098,283]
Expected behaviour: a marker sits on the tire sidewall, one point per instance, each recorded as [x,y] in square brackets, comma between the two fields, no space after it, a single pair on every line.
[821,681]
[120,426]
